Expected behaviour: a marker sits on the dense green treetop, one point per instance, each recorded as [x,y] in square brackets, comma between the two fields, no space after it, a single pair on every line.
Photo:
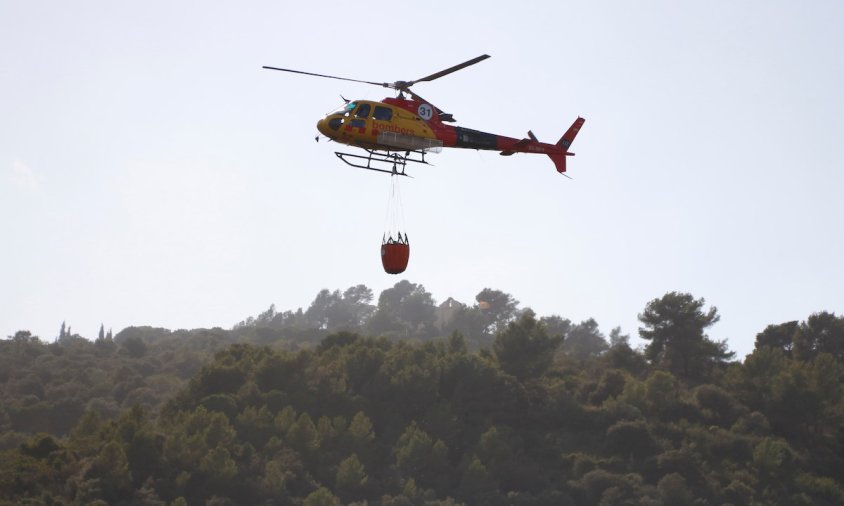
[675,324]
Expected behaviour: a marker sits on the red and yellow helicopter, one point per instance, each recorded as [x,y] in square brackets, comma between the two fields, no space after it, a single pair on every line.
[398,130]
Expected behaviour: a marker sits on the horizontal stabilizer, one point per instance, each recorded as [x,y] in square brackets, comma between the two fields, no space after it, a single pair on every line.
[518,146]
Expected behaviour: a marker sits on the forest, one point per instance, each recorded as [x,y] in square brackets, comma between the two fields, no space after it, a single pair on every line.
[402,401]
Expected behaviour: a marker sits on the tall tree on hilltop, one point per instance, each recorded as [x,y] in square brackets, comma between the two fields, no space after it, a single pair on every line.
[584,340]
[621,356]
[674,324]
[319,313]
[779,336]
[821,333]
[265,319]
[405,308]
[497,309]
[618,339]
[556,325]
[357,307]
[524,349]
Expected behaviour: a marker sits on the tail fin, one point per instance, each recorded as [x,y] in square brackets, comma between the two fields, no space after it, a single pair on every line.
[559,162]
[568,137]
[564,143]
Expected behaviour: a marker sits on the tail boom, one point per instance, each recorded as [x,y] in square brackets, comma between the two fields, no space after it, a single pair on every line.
[557,152]
[459,137]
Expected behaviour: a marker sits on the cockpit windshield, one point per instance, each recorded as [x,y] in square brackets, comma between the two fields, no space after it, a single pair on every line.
[360,110]
[346,109]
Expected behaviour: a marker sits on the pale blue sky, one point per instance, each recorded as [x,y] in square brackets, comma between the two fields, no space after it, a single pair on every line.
[152,174]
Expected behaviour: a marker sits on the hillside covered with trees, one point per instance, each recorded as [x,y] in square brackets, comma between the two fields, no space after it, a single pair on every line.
[403,401]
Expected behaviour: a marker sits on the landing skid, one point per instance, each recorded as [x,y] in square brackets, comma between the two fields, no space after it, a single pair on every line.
[395,161]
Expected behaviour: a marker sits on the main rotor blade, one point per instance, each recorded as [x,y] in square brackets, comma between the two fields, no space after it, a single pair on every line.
[449,70]
[385,85]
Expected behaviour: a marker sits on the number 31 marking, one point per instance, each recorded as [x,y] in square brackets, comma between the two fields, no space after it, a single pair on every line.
[425,111]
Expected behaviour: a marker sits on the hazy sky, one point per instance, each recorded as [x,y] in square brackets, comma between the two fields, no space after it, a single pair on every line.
[151,173]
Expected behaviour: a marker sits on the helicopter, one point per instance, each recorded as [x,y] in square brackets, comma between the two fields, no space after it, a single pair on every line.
[402,129]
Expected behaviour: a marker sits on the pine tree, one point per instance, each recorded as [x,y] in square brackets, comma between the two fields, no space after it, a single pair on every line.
[675,325]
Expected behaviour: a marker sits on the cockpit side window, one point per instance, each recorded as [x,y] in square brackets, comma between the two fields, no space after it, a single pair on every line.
[363,111]
[383,113]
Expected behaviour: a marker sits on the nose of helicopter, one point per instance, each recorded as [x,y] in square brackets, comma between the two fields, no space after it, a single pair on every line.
[322,126]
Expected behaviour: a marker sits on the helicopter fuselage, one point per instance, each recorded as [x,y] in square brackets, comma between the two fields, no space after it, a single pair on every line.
[399,124]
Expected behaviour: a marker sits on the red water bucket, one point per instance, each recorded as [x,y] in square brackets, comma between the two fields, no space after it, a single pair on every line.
[394,257]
